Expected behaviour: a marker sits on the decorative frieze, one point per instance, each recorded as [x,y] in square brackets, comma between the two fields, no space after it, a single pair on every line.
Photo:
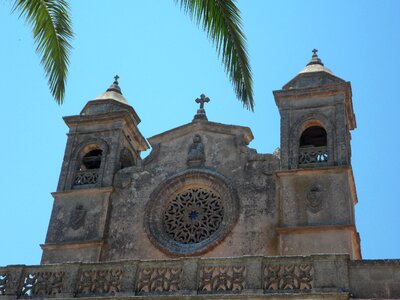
[222,279]
[187,277]
[288,277]
[4,279]
[159,280]
[100,281]
[42,284]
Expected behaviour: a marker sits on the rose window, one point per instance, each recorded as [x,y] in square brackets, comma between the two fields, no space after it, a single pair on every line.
[193,215]
[191,212]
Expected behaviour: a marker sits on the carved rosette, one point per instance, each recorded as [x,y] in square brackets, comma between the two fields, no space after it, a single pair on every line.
[99,282]
[214,279]
[191,212]
[158,280]
[42,284]
[288,277]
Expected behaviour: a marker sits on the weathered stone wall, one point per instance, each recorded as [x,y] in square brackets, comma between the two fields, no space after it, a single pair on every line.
[321,196]
[248,174]
[375,278]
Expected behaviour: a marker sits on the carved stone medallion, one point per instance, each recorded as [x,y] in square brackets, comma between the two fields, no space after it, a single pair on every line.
[191,212]
[314,198]
[77,218]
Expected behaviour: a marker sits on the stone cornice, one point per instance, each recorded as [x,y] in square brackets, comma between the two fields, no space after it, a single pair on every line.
[72,245]
[83,191]
[74,122]
[325,91]
[316,228]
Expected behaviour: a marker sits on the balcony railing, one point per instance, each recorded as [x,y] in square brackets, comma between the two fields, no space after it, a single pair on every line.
[313,155]
[86,177]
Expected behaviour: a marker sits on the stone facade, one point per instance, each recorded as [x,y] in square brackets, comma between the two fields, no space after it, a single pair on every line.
[204,215]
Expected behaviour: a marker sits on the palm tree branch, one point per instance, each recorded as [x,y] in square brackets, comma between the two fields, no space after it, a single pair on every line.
[221,20]
[52,32]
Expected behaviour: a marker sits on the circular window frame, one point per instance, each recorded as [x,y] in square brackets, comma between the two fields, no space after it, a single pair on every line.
[169,189]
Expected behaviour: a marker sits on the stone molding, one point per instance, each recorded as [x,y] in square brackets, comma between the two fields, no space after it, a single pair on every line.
[72,245]
[250,277]
[316,228]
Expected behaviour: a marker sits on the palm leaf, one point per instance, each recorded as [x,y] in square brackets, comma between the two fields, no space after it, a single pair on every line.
[221,20]
[51,26]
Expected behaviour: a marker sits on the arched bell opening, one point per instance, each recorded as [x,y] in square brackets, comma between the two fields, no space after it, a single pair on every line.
[88,167]
[313,146]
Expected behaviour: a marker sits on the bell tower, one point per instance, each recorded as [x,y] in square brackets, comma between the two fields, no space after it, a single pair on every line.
[102,139]
[316,186]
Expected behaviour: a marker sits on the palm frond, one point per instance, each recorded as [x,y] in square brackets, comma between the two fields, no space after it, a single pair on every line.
[221,20]
[52,32]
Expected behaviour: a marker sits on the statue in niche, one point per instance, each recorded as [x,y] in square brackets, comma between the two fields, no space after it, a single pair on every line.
[196,156]
[77,218]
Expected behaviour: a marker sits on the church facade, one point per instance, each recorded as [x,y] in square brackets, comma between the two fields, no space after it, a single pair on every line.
[205,216]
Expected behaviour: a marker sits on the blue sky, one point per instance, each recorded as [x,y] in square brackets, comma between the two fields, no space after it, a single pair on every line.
[165,62]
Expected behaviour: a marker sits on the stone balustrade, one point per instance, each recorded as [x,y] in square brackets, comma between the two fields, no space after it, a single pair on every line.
[86,177]
[330,276]
[313,155]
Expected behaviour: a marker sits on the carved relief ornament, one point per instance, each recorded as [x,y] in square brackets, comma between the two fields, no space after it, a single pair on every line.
[314,198]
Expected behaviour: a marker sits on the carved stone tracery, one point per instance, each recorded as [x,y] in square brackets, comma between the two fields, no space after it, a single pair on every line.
[86,177]
[100,282]
[159,280]
[191,212]
[288,277]
[42,284]
[193,215]
[222,279]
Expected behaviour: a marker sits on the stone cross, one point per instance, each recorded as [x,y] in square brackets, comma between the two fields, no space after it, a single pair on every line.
[315,51]
[203,99]
[116,77]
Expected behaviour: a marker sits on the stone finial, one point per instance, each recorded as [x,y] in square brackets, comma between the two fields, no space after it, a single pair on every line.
[201,113]
[115,86]
[315,60]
